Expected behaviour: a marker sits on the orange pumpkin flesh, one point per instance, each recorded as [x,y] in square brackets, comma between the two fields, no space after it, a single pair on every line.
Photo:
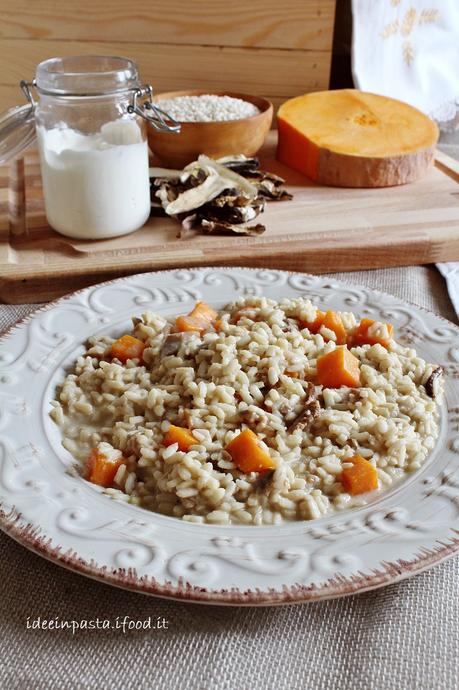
[177,434]
[101,470]
[362,337]
[334,323]
[314,326]
[359,478]
[338,368]
[127,347]
[199,319]
[247,454]
[349,138]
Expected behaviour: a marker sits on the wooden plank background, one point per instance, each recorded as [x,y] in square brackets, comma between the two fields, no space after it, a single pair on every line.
[264,47]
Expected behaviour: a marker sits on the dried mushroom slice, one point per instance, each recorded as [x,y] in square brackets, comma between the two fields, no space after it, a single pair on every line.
[233,179]
[432,385]
[231,197]
[220,196]
[269,185]
[268,190]
[170,189]
[263,480]
[165,192]
[240,164]
[234,214]
[173,342]
[311,410]
[262,175]
[190,226]
[195,197]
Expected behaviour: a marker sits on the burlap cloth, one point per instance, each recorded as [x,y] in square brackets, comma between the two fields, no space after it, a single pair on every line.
[403,637]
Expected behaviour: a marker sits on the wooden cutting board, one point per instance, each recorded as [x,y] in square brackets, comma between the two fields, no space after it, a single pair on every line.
[324,229]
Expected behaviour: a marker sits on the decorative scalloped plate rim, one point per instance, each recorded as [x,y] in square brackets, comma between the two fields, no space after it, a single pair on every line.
[403,532]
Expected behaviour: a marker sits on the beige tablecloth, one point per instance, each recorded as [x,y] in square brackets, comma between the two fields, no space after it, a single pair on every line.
[403,637]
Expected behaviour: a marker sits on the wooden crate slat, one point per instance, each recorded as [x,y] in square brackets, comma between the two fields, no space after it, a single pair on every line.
[273,73]
[291,24]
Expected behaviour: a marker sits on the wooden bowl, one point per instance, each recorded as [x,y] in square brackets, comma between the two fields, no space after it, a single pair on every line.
[215,139]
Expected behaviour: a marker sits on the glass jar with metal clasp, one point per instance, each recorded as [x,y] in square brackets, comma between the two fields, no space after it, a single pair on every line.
[90,121]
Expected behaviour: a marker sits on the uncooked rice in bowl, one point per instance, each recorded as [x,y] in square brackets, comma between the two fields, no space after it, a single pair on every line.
[256,369]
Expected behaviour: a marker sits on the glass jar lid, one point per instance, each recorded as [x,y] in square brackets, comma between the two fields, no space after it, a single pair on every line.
[81,76]
[86,75]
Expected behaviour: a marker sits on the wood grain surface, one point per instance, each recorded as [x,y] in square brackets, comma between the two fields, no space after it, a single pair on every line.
[275,74]
[267,48]
[324,229]
[291,24]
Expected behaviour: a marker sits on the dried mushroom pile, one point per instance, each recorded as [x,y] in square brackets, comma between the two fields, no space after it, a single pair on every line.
[216,196]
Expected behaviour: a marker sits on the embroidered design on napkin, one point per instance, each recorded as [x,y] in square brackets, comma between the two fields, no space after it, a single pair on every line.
[406,26]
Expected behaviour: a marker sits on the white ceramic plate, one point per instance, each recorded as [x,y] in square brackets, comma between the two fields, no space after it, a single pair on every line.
[67,520]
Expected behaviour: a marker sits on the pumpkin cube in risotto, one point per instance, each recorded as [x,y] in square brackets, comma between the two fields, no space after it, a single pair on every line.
[360,477]
[101,469]
[127,347]
[314,326]
[177,434]
[333,322]
[247,453]
[338,368]
[199,319]
[371,332]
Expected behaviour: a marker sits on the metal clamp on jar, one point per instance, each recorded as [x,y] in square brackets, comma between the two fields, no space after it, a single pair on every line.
[90,121]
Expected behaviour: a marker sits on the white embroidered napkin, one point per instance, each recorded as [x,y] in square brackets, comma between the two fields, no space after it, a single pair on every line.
[450,272]
[409,49]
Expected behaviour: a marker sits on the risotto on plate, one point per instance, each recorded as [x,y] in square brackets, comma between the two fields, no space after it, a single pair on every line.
[261,413]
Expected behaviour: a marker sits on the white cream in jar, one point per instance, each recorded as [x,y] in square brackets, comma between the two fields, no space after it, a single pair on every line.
[95,185]
[91,118]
